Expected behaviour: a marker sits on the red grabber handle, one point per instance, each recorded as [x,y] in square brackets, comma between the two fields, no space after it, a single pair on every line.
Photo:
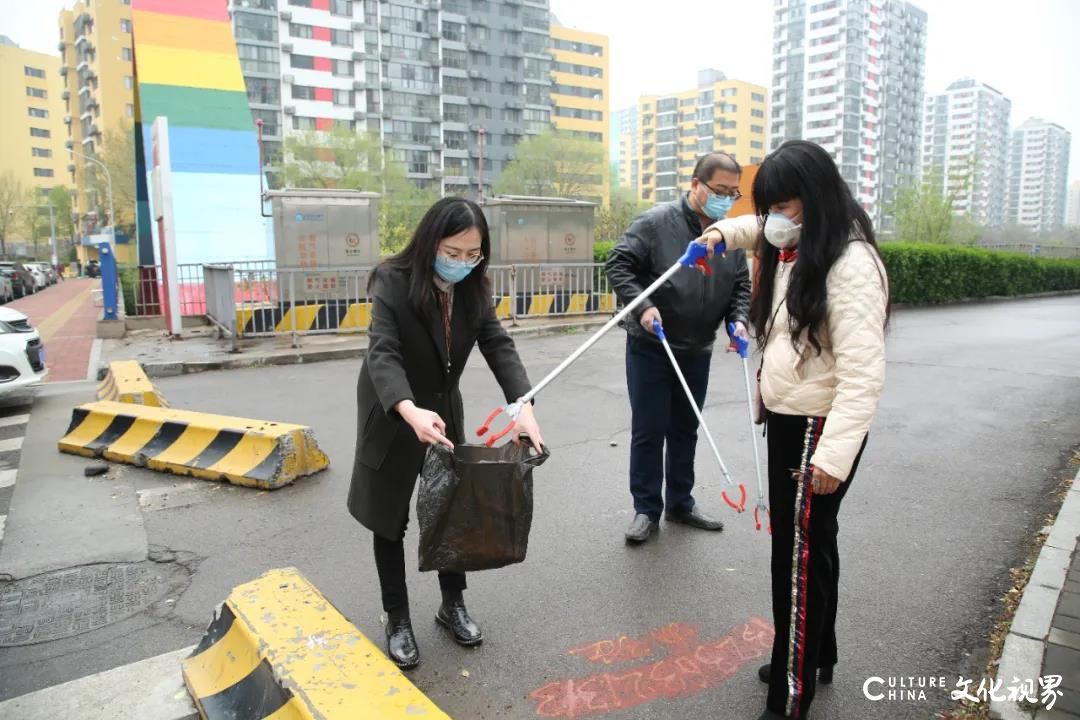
[483,429]
[741,505]
[757,519]
[704,265]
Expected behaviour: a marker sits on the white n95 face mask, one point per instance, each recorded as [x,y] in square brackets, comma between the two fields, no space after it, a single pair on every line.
[781,231]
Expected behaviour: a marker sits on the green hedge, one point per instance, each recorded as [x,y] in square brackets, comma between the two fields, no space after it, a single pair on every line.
[129,278]
[943,273]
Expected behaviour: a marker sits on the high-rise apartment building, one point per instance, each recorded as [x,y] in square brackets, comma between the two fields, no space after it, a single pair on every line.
[966,149]
[581,94]
[625,148]
[1038,175]
[98,77]
[32,121]
[848,75]
[449,87]
[675,130]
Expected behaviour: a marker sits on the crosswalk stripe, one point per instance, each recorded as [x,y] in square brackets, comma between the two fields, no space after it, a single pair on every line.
[7,478]
[14,420]
[11,445]
[151,689]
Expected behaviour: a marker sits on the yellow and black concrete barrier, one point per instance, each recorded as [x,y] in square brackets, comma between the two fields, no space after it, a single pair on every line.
[253,453]
[126,382]
[277,648]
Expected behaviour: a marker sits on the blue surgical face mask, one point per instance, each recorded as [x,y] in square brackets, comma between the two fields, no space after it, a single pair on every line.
[717,206]
[454,271]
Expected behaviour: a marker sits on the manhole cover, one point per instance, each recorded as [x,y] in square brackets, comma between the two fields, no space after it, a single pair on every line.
[64,603]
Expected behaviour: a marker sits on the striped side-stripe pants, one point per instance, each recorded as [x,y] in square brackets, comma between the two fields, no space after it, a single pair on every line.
[805,564]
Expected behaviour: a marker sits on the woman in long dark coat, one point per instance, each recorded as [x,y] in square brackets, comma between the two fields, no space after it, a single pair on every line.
[431,303]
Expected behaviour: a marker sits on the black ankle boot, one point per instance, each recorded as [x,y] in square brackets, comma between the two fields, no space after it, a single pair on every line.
[455,618]
[401,643]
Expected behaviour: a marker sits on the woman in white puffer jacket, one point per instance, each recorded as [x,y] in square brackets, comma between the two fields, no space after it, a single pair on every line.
[819,313]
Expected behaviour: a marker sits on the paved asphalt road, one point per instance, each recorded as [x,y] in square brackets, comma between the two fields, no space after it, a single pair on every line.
[978,419]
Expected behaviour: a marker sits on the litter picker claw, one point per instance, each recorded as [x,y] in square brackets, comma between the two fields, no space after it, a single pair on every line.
[762,516]
[741,505]
[696,256]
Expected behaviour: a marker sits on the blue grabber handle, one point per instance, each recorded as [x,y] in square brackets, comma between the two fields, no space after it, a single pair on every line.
[697,254]
[658,329]
[742,345]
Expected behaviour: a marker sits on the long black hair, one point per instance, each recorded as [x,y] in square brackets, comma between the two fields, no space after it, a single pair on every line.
[448,217]
[831,218]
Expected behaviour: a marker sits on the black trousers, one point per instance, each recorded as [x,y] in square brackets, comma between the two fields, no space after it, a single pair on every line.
[805,564]
[390,563]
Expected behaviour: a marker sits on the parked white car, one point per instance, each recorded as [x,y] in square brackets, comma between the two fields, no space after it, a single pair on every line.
[22,356]
[7,290]
[41,280]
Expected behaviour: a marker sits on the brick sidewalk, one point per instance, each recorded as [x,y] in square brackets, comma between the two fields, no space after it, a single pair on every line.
[65,316]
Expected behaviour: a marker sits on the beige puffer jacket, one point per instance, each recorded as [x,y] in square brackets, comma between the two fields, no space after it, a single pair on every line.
[844,382]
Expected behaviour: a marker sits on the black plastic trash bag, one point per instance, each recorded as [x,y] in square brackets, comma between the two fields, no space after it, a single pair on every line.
[475,506]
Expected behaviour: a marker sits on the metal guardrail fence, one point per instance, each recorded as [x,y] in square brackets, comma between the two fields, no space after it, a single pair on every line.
[304,301]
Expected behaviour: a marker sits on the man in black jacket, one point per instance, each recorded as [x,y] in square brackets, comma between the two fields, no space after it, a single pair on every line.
[690,307]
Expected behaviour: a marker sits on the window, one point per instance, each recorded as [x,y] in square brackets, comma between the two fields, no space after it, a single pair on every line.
[38,112]
[130,110]
[728,92]
[256,27]
[757,113]
[341,38]
[575,91]
[756,145]
[343,68]
[35,92]
[345,98]
[301,32]
[125,26]
[302,3]
[757,129]
[258,59]
[43,172]
[302,62]
[125,53]
[341,7]
[40,152]
[263,91]
[40,132]
[303,123]
[578,69]
[577,47]
[579,114]
[303,92]
[129,82]
[757,97]
[33,72]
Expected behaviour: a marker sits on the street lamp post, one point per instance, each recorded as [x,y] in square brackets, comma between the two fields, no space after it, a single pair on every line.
[108,180]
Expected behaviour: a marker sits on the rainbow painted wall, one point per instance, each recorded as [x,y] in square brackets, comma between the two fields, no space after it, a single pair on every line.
[187,69]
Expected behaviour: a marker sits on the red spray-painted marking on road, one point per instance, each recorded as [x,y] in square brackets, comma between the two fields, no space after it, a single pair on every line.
[690,667]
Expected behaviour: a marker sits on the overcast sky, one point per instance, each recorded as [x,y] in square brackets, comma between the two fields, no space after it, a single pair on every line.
[1028,50]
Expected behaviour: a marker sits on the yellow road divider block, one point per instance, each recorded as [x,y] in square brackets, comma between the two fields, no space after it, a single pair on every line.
[277,648]
[126,382]
[253,453]
[541,304]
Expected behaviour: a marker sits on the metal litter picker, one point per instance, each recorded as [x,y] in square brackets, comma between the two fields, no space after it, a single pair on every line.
[742,346]
[741,505]
[695,255]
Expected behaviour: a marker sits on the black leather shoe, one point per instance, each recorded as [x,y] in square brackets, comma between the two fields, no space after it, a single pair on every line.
[641,529]
[825,674]
[455,618]
[695,518]
[401,644]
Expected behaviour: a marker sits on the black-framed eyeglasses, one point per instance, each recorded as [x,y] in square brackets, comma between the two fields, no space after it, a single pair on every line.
[733,194]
